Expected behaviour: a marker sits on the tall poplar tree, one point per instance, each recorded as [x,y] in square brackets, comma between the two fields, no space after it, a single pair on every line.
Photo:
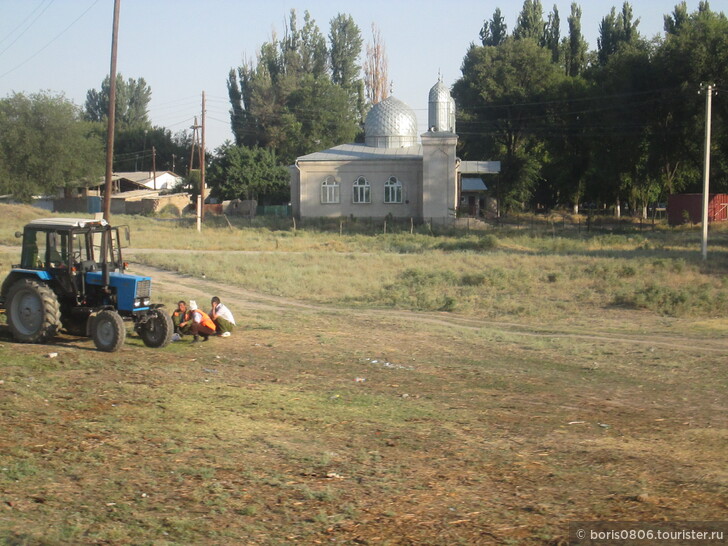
[345,50]
[552,35]
[293,98]
[494,31]
[530,22]
[616,29]
[576,46]
[376,71]
[132,102]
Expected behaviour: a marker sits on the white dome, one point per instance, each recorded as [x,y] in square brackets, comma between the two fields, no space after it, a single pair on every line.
[390,124]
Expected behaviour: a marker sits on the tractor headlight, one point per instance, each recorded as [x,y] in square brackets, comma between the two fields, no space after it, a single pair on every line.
[147,301]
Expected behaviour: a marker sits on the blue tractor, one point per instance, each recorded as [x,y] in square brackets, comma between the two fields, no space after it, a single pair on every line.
[71,277]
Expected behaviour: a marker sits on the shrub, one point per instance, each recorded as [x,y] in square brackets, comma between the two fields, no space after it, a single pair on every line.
[666,300]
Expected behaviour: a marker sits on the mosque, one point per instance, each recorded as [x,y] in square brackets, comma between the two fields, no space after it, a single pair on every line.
[391,173]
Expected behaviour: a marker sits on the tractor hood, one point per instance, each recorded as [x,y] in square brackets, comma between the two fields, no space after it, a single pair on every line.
[133,292]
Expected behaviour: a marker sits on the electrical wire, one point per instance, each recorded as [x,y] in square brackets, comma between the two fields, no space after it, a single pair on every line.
[29,25]
[43,48]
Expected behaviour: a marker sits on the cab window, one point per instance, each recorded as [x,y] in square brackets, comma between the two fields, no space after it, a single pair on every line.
[34,249]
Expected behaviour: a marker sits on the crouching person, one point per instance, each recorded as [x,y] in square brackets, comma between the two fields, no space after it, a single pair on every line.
[222,317]
[202,324]
[181,319]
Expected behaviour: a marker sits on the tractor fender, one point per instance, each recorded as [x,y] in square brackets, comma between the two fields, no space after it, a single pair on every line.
[16,274]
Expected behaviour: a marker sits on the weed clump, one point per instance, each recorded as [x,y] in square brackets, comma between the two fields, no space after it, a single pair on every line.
[470,244]
[665,300]
[425,290]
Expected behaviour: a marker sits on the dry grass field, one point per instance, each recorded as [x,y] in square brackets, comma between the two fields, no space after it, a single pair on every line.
[380,389]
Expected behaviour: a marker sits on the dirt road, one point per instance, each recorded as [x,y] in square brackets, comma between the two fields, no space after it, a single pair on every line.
[201,289]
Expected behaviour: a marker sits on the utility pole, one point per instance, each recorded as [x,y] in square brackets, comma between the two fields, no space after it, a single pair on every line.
[202,158]
[112,115]
[154,166]
[706,167]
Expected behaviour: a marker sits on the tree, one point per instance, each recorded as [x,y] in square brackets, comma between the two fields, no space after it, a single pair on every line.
[303,52]
[530,22]
[552,35]
[376,74]
[576,48]
[133,150]
[494,31]
[675,21]
[503,97]
[317,116]
[569,146]
[45,145]
[346,43]
[132,103]
[281,100]
[695,51]
[615,30]
[239,172]
[627,93]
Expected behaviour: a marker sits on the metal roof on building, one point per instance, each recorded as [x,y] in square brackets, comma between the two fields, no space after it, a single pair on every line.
[391,124]
[472,184]
[362,152]
[439,92]
[479,167]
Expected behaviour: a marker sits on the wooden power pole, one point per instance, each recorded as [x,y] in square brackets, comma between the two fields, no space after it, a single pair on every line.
[154,166]
[202,158]
[112,115]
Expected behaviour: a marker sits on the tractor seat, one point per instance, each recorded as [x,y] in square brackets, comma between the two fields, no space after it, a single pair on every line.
[87,265]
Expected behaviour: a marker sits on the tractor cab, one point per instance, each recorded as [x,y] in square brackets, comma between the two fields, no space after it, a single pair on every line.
[61,243]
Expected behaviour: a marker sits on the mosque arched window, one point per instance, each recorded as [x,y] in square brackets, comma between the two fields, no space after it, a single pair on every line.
[330,191]
[393,190]
[362,191]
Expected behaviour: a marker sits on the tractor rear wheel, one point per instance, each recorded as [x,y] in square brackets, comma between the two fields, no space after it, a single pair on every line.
[157,330]
[108,331]
[34,315]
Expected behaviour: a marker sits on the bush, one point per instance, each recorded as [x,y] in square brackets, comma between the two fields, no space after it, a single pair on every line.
[666,300]
[474,244]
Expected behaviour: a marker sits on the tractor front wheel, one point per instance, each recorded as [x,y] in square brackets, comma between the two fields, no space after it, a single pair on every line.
[108,331]
[34,315]
[157,330]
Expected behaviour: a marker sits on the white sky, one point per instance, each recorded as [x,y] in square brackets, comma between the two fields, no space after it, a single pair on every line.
[182,47]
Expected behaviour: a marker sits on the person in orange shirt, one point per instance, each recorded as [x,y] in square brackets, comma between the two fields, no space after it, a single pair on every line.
[202,324]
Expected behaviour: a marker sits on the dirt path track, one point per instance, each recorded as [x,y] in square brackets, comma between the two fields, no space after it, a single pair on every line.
[202,289]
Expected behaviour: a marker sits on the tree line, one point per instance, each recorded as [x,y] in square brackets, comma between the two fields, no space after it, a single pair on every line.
[49,144]
[622,124]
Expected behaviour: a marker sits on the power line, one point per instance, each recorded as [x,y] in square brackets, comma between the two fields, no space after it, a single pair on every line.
[29,25]
[34,55]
